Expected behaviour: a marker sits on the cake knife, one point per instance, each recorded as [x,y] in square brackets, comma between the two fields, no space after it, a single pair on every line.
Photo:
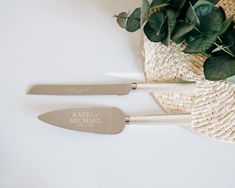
[107,120]
[112,89]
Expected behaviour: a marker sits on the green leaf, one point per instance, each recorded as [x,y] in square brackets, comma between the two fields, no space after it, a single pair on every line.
[193,2]
[219,67]
[181,29]
[156,5]
[210,17]
[231,79]
[156,20]
[190,38]
[122,19]
[202,2]
[133,21]
[192,16]
[144,11]
[229,39]
[214,1]
[180,40]
[154,36]
[171,22]
[226,25]
[200,45]
[158,2]
[177,4]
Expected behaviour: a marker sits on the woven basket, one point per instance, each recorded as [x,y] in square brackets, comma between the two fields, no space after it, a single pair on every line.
[213,106]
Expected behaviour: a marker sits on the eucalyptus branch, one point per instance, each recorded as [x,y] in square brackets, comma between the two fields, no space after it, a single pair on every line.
[199,26]
[223,49]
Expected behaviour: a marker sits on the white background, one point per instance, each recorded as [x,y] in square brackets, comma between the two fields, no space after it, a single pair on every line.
[78,41]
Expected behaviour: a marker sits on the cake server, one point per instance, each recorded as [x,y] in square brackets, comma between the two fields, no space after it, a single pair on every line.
[107,120]
[112,89]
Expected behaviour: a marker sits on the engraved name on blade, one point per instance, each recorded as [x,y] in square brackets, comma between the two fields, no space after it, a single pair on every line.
[85,118]
[77,90]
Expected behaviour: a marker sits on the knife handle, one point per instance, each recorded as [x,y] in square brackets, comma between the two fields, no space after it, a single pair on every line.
[181,87]
[171,119]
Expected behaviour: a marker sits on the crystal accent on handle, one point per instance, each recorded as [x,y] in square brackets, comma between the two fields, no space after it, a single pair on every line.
[172,119]
[184,88]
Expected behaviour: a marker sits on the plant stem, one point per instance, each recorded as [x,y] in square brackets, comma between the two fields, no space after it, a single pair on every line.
[223,44]
[230,53]
[125,17]
[220,40]
[198,30]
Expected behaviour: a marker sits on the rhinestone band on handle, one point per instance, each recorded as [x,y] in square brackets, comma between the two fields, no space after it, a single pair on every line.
[184,88]
[173,119]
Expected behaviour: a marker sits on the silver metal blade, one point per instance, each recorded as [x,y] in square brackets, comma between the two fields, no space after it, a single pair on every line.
[106,89]
[102,120]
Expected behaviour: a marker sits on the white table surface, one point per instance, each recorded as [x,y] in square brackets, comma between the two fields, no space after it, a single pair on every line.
[78,41]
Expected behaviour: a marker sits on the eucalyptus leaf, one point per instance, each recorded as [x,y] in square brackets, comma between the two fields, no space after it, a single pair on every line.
[202,2]
[192,16]
[219,67]
[156,20]
[157,8]
[133,21]
[179,41]
[193,2]
[158,2]
[157,5]
[182,12]
[154,36]
[171,22]
[181,29]
[144,11]
[231,79]
[226,25]
[194,33]
[122,19]
[214,1]
[177,4]
[201,44]
[210,17]
[189,38]
[231,37]
[229,40]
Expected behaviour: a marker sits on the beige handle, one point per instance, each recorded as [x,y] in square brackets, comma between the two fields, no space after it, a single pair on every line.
[174,119]
[184,87]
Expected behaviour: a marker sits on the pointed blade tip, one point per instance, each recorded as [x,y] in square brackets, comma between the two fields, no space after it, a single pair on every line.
[31,90]
[42,117]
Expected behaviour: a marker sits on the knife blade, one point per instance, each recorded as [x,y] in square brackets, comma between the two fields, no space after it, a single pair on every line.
[106,89]
[111,89]
[107,120]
